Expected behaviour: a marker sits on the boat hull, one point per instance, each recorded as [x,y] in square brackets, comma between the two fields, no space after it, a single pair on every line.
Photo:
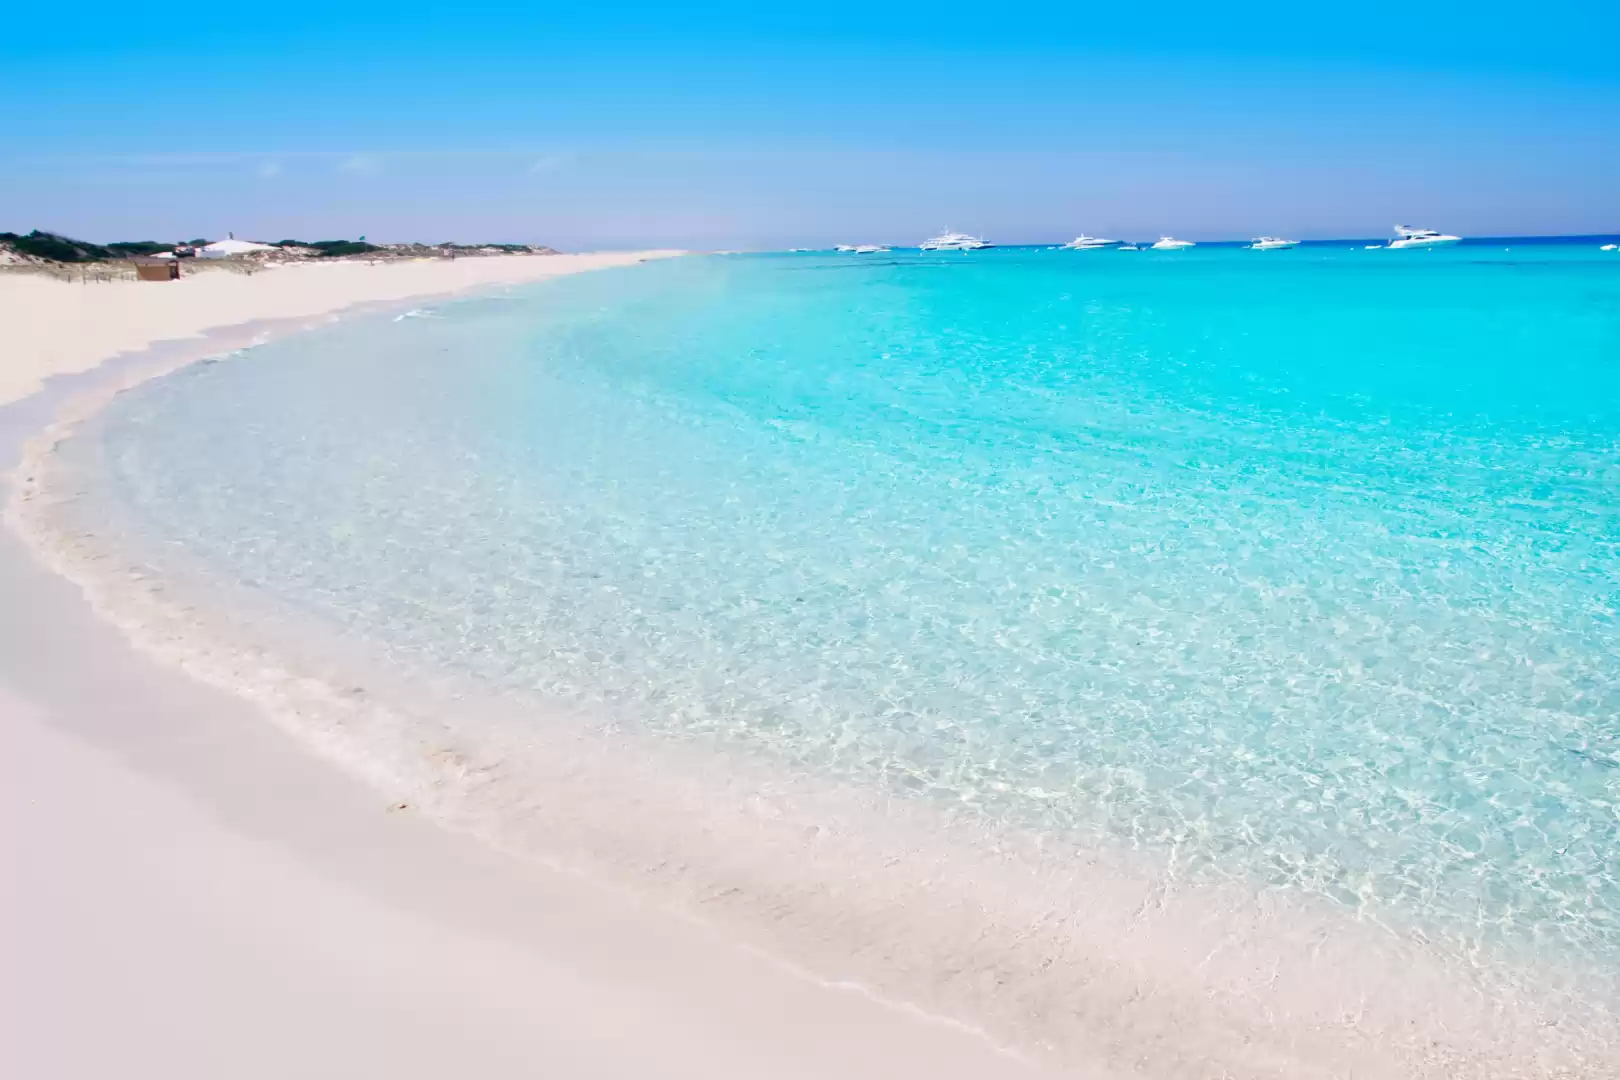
[1424,242]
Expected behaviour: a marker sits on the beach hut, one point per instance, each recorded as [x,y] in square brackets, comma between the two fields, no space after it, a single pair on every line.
[224,249]
[157,268]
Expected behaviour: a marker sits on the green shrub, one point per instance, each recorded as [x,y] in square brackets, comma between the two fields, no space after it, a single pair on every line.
[334,248]
[44,245]
[127,248]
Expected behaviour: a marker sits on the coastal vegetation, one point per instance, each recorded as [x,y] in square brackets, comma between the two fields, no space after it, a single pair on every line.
[330,248]
[51,247]
[45,247]
[54,248]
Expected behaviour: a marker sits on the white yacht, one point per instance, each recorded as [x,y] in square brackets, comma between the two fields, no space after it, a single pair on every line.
[1610,247]
[1168,243]
[1088,243]
[869,249]
[845,248]
[955,241]
[1129,247]
[1421,238]
[1272,243]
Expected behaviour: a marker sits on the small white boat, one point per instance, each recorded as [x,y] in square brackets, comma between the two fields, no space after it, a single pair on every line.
[1610,247]
[1421,238]
[1128,247]
[869,249]
[845,248]
[1271,243]
[1170,243]
[955,241]
[1088,243]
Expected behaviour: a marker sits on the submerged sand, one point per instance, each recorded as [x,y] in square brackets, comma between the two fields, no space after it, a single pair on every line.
[1109,969]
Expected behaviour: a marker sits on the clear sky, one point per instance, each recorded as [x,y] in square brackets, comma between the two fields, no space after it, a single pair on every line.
[767,124]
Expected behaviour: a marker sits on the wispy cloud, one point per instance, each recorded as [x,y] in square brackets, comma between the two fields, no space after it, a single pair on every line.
[550,163]
[361,165]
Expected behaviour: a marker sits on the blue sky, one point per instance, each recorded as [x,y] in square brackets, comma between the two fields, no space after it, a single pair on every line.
[753,125]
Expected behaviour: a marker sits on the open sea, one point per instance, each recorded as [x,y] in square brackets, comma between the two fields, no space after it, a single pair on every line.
[1297,570]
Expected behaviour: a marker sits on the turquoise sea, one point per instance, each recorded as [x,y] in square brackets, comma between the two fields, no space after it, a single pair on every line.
[1301,565]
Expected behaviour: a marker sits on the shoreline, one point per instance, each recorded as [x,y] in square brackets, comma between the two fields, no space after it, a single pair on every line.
[1162,1032]
[209,898]
[114,318]
[212,900]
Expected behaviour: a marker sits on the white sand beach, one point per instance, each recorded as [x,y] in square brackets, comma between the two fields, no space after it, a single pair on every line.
[58,328]
[187,893]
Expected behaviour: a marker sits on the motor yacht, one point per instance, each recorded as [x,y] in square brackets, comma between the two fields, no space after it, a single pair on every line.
[1088,243]
[1420,238]
[1610,247]
[869,249]
[955,241]
[1168,243]
[1272,243]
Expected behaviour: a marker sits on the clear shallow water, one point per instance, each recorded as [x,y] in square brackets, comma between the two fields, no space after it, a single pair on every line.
[1300,565]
